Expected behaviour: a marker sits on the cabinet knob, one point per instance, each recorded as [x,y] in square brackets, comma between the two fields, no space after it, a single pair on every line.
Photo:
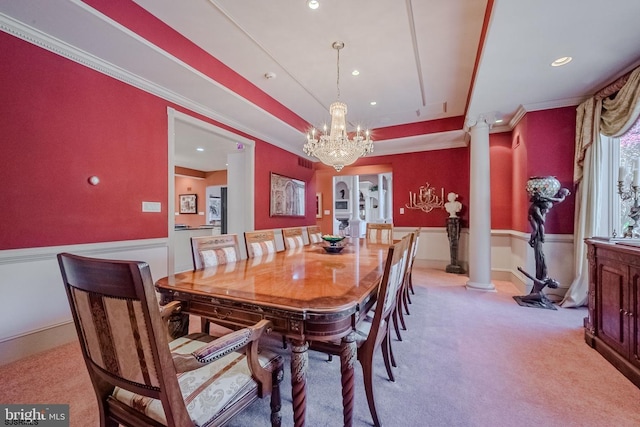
[630,314]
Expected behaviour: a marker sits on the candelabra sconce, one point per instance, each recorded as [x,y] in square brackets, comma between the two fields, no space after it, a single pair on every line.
[426,199]
[631,194]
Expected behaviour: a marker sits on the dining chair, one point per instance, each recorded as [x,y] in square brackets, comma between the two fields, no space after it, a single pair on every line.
[260,242]
[398,316]
[293,237]
[214,251]
[373,333]
[413,255]
[211,251]
[379,233]
[142,379]
[315,234]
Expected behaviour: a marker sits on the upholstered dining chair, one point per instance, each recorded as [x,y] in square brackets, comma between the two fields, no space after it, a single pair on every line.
[293,237]
[379,233]
[141,379]
[211,251]
[260,242]
[214,251]
[315,234]
[398,315]
[373,333]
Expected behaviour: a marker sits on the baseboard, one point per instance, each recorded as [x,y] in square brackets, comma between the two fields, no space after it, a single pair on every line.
[19,347]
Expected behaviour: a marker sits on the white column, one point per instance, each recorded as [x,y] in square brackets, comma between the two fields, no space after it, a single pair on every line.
[480,208]
[381,201]
[354,221]
[388,199]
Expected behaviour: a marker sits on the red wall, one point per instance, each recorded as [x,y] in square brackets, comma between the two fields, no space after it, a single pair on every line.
[546,145]
[270,158]
[62,123]
[440,168]
[501,157]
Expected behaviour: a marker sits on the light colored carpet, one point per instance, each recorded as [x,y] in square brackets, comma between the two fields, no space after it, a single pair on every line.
[468,358]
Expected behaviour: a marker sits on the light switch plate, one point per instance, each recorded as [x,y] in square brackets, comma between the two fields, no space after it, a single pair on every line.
[151,207]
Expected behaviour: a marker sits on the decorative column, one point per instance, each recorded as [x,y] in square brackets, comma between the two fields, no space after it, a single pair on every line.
[381,201]
[354,221]
[480,208]
[388,198]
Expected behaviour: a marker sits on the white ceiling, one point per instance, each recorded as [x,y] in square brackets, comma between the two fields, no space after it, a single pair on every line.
[416,60]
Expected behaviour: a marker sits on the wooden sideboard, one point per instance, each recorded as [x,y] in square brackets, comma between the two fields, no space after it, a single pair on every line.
[613,324]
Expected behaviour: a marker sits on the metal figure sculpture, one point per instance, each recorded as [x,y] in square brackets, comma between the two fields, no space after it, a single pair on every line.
[543,196]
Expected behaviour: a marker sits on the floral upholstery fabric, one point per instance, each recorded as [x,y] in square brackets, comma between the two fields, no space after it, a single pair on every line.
[315,237]
[263,248]
[213,257]
[207,391]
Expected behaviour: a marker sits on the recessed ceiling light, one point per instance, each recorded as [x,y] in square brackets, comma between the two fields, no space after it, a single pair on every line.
[313,4]
[373,102]
[355,73]
[561,61]
[499,120]
[199,149]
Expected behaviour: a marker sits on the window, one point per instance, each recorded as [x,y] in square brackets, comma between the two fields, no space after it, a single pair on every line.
[625,151]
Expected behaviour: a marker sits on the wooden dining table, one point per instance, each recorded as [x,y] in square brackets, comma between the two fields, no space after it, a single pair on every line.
[307,293]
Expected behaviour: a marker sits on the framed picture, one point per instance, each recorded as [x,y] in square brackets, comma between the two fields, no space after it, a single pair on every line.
[287,196]
[215,208]
[188,203]
[318,205]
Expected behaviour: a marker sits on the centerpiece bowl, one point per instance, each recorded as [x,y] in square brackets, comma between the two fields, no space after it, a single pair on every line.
[332,239]
[332,247]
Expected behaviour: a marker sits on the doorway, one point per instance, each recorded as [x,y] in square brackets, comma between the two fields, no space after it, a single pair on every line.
[240,177]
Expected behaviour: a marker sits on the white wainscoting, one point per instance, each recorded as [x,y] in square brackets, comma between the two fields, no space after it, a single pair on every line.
[35,313]
[509,250]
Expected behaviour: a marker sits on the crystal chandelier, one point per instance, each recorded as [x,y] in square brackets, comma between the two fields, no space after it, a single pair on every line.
[336,148]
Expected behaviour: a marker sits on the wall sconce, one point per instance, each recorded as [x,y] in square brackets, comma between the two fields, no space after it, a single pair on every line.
[94,180]
[426,200]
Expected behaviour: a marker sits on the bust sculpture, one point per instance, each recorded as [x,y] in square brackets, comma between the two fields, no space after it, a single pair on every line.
[453,206]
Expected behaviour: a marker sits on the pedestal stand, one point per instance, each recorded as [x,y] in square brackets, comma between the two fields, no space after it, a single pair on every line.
[453,233]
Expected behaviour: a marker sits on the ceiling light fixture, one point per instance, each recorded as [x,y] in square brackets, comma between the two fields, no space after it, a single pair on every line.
[336,148]
[561,61]
[313,4]
[355,73]
[199,149]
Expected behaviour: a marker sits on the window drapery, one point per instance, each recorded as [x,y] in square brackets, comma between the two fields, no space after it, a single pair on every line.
[609,116]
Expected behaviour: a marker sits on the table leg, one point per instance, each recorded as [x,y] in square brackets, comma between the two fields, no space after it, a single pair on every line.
[348,354]
[299,363]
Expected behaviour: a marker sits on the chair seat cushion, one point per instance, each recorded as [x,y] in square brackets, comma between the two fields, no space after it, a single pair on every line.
[207,391]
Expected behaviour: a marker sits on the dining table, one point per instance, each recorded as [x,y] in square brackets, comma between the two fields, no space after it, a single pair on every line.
[311,293]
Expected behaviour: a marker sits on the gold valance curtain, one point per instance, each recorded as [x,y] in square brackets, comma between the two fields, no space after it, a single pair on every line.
[610,112]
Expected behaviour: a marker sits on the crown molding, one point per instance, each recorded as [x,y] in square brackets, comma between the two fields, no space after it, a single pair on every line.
[38,38]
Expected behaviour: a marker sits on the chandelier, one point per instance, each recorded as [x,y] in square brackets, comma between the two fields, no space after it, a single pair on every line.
[336,148]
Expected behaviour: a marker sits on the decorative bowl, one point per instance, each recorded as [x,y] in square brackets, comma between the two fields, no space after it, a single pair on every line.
[333,249]
[332,239]
[546,186]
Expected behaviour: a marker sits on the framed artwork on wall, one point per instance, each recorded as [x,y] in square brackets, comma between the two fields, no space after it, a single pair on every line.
[318,205]
[287,196]
[215,208]
[188,203]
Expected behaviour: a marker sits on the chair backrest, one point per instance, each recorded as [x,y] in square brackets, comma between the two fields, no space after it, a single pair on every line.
[315,234]
[293,237]
[260,242]
[211,251]
[392,279]
[379,233]
[122,335]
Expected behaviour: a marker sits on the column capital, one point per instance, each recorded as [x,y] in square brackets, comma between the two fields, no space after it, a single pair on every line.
[485,119]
